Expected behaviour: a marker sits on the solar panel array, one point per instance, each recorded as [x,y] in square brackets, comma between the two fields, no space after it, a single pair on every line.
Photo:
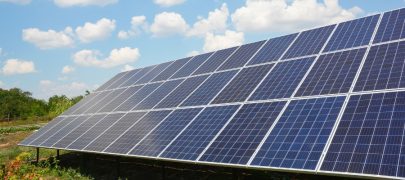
[329,100]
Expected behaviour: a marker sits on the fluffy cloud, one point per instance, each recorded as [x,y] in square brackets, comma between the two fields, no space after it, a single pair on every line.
[168,23]
[95,31]
[287,15]
[67,69]
[48,39]
[138,23]
[69,3]
[215,22]
[22,2]
[214,42]
[127,68]
[117,57]
[168,3]
[16,66]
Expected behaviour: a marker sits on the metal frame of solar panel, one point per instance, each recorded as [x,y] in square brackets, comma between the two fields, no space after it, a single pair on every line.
[306,126]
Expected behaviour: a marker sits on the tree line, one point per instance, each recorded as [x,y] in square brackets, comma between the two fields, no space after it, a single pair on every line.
[18,104]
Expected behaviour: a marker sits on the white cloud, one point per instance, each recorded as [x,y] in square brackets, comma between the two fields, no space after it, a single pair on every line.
[69,3]
[45,82]
[49,88]
[127,68]
[193,53]
[67,69]
[215,22]
[168,23]
[214,42]
[95,31]
[49,39]
[16,66]
[289,15]
[168,3]
[21,2]
[138,23]
[117,57]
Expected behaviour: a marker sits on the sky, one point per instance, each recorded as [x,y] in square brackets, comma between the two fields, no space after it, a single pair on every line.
[54,47]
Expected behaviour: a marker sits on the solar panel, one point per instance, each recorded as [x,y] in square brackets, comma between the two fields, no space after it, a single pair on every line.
[391,27]
[169,71]
[120,99]
[52,130]
[136,98]
[242,85]
[370,136]
[111,81]
[352,33]
[241,56]
[86,99]
[192,141]
[300,135]
[104,101]
[309,42]
[282,80]
[191,66]
[153,73]
[332,73]
[273,49]
[136,77]
[41,131]
[215,61]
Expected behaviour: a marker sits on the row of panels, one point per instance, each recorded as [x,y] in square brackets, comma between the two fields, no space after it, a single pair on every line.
[369,137]
[332,73]
[347,35]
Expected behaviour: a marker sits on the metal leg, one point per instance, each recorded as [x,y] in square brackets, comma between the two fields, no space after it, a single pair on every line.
[37,160]
[57,154]
[163,172]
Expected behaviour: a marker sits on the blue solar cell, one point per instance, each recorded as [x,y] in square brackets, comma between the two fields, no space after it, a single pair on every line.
[41,131]
[370,136]
[332,73]
[45,135]
[273,49]
[215,61]
[211,87]
[114,131]
[243,84]
[136,77]
[181,92]
[160,93]
[120,99]
[136,98]
[164,133]
[136,132]
[392,26]
[87,99]
[201,131]
[242,55]
[353,33]
[104,101]
[173,68]
[94,131]
[126,77]
[73,135]
[153,73]
[240,138]
[383,68]
[300,135]
[111,81]
[191,66]
[309,42]
[283,79]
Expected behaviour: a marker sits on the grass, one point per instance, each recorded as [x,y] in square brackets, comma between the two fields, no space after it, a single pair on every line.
[26,122]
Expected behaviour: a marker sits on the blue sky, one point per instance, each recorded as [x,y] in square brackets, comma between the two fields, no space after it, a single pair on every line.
[53,47]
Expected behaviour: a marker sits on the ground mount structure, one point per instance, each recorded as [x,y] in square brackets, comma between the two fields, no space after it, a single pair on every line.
[329,100]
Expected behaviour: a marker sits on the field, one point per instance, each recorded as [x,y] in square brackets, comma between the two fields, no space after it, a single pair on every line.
[19,163]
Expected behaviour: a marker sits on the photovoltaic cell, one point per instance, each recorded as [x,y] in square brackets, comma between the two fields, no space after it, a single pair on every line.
[211,87]
[95,131]
[136,98]
[181,92]
[391,27]
[242,55]
[332,73]
[243,84]
[114,131]
[86,106]
[105,101]
[120,99]
[283,79]
[153,73]
[111,81]
[41,131]
[160,93]
[125,78]
[309,42]
[45,135]
[215,61]
[76,133]
[201,131]
[136,132]
[173,68]
[84,101]
[191,66]
[273,49]
[353,33]
[136,77]
[240,138]
[383,68]
[300,135]
[370,136]
[160,137]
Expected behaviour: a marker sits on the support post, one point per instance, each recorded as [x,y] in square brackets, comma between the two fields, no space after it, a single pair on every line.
[57,154]
[163,172]
[37,160]
[118,163]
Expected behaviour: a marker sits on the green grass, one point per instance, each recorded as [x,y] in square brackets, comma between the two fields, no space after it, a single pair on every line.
[13,123]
